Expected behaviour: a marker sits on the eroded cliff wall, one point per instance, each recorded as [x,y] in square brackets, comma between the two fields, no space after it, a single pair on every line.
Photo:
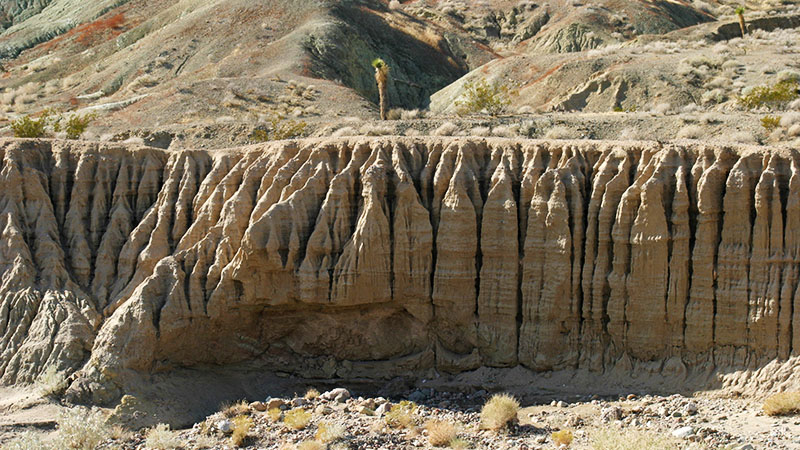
[377,256]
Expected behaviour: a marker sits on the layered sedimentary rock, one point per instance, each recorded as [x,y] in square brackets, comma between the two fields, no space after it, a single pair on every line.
[377,256]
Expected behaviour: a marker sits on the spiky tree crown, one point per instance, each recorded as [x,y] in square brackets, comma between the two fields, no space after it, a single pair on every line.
[740,10]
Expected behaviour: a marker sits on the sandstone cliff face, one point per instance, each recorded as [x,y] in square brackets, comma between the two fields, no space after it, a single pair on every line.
[380,256]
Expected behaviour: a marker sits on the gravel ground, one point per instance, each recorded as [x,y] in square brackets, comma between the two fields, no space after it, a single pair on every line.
[706,421]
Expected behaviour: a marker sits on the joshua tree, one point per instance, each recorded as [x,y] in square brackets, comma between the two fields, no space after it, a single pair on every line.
[382,77]
[740,14]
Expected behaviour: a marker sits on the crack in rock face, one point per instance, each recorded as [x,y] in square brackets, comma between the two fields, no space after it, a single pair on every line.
[373,257]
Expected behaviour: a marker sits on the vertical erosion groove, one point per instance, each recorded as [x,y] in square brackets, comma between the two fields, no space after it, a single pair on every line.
[356,257]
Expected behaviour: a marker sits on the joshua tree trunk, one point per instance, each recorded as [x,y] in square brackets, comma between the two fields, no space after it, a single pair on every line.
[382,77]
[742,25]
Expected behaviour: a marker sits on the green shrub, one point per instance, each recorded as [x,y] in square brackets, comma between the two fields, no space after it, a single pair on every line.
[77,124]
[775,95]
[27,127]
[280,128]
[402,415]
[770,122]
[484,97]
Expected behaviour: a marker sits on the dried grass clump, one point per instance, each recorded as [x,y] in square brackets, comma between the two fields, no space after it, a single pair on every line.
[81,429]
[782,404]
[790,119]
[691,132]
[376,130]
[742,137]
[160,437]
[241,427]
[499,411]
[329,432]
[561,132]
[562,437]
[480,131]
[51,383]
[274,414]
[662,108]
[440,432]
[629,134]
[446,129]
[311,394]
[345,131]
[411,114]
[402,415]
[507,131]
[236,409]
[609,439]
[297,418]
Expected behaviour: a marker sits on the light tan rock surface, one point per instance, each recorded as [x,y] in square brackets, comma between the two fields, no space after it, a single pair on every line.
[381,256]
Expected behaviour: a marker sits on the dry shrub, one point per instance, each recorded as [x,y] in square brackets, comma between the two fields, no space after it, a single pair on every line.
[608,439]
[161,437]
[446,129]
[274,414]
[329,432]
[297,418]
[782,404]
[81,429]
[236,409]
[691,132]
[241,427]
[26,441]
[311,394]
[561,132]
[499,411]
[402,415]
[440,432]
[51,383]
[562,437]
